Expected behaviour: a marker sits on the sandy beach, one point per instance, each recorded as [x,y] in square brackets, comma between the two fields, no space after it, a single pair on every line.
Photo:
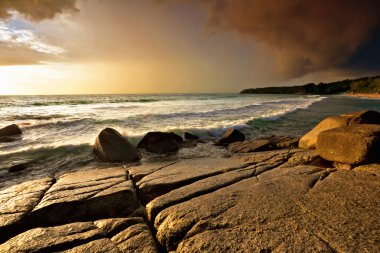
[364,95]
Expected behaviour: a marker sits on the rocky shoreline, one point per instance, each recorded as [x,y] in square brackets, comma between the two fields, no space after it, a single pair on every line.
[320,193]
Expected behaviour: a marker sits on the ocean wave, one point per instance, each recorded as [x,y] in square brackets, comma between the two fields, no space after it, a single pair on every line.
[33,117]
[45,153]
[289,104]
[85,102]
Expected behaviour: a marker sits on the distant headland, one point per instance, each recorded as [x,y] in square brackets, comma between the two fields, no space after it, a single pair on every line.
[364,85]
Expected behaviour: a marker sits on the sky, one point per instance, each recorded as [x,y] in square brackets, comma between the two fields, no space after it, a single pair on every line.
[183,46]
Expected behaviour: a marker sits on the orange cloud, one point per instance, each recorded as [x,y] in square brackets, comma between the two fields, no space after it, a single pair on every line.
[36,10]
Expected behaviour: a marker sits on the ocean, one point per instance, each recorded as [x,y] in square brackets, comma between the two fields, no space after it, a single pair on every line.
[60,130]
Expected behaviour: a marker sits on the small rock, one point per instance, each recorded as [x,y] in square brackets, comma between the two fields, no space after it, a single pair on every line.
[18,167]
[286,141]
[231,136]
[111,146]
[10,130]
[342,166]
[356,144]
[190,136]
[159,143]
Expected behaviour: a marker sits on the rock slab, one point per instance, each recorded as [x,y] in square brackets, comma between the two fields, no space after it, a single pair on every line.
[86,195]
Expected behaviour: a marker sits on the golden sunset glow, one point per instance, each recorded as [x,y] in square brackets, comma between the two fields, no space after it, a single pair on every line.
[163,47]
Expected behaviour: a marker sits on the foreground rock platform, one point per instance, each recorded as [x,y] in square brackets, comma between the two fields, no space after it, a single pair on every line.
[287,200]
[84,211]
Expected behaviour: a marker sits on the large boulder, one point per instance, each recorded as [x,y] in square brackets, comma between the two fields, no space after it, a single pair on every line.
[160,142]
[111,146]
[309,140]
[356,144]
[10,130]
[231,136]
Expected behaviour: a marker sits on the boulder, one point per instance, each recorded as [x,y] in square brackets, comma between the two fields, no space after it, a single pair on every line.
[309,140]
[356,144]
[231,136]
[111,146]
[10,130]
[177,138]
[159,143]
[190,136]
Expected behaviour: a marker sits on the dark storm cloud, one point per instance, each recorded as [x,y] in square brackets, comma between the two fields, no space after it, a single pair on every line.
[37,10]
[306,36]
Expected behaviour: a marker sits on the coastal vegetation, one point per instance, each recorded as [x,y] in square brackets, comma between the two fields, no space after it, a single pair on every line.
[364,85]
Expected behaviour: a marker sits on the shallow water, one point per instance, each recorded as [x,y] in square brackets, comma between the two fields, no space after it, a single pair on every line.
[61,129]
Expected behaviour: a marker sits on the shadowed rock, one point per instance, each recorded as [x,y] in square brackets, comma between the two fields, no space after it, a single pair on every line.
[177,138]
[111,146]
[309,140]
[18,167]
[6,139]
[110,235]
[231,136]
[363,117]
[264,144]
[356,144]
[52,238]
[190,136]
[160,142]
[18,201]
[10,130]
